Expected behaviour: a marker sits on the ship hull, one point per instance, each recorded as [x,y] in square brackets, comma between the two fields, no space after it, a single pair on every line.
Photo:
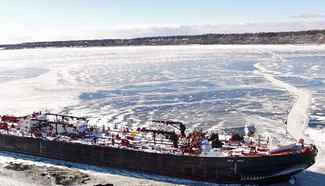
[261,170]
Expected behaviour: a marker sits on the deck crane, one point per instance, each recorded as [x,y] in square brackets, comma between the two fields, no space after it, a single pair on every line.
[176,124]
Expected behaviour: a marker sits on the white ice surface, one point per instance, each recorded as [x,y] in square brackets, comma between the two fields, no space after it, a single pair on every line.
[299,114]
[73,71]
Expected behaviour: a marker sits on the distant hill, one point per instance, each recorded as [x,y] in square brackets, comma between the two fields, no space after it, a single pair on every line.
[299,37]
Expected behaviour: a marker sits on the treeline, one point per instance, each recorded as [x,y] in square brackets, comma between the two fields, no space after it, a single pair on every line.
[299,37]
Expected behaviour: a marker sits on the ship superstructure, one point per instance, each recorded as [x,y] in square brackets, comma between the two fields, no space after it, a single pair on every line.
[230,155]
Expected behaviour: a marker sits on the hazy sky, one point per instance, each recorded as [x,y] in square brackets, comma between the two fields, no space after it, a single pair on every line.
[37,20]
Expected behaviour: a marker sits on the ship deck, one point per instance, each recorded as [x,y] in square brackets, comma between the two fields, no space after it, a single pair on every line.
[57,127]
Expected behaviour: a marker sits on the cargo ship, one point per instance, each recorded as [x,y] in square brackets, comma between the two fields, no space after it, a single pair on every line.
[229,155]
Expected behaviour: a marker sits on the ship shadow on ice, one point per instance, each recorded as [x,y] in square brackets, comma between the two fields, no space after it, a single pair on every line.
[306,178]
[309,178]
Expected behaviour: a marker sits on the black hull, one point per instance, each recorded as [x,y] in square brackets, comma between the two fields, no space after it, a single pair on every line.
[210,169]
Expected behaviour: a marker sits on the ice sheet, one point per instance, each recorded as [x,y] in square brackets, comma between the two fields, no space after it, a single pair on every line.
[203,86]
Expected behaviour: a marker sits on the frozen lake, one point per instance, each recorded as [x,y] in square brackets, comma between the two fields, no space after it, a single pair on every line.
[203,86]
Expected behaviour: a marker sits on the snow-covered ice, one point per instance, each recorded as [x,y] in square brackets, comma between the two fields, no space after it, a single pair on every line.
[203,86]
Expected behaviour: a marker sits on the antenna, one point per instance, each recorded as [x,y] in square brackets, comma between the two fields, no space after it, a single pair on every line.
[286,127]
[246,129]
